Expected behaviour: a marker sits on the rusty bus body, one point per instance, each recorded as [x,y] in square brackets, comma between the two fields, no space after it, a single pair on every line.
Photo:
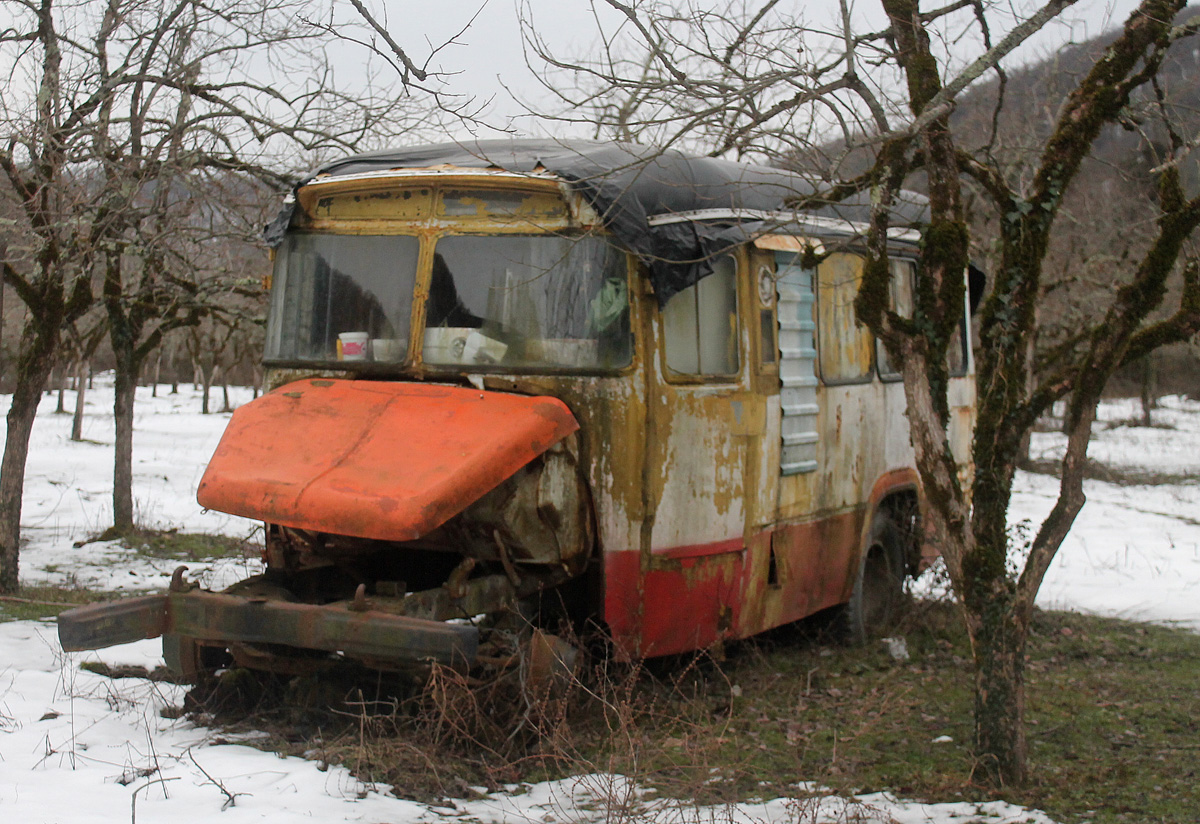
[521,374]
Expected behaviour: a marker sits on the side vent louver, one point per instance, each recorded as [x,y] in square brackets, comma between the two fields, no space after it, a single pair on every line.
[797,366]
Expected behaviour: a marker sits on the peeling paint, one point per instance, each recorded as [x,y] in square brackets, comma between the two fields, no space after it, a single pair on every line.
[670,495]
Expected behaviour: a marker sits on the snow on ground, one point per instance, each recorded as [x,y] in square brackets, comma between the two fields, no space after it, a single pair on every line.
[1134,551]
[68,488]
[77,747]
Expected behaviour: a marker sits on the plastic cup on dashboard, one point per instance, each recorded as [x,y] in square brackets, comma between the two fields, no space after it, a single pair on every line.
[353,345]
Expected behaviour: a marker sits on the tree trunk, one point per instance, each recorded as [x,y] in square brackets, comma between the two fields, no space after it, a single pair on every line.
[3,258]
[225,395]
[123,398]
[206,382]
[157,372]
[81,374]
[1149,388]
[998,630]
[33,370]
[61,407]
[1000,746]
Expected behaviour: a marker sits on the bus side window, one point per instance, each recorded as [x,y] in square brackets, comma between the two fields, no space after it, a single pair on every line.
[845,345]
[956,352]
[700,324]
[901,287]
[903,284]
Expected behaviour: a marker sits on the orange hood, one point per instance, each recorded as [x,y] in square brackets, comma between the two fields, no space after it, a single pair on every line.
[374,459]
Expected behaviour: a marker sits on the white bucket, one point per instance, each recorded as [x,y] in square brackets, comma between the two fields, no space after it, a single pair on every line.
[352,346]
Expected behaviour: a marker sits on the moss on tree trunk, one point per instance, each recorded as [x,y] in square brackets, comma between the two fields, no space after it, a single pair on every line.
[1000,748]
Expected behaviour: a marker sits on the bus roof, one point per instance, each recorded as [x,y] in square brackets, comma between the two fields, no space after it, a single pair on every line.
[676,211]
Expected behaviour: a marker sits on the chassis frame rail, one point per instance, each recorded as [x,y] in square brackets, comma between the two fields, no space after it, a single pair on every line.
[345,627]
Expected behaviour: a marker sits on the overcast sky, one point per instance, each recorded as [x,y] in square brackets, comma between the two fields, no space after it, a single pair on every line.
[488,57]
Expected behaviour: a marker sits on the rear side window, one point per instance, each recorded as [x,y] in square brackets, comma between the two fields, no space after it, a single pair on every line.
[700,324]
[844,345]
[901,287]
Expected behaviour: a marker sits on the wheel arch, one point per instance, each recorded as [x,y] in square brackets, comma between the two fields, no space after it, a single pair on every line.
[898,494]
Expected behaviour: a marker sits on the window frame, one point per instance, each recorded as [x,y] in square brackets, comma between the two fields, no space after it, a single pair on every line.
[880,353]
[822,321]
[962,333]
[674,376]
[420,316]
[284,280]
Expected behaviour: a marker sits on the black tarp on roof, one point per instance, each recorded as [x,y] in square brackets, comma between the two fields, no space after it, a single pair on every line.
[628,184]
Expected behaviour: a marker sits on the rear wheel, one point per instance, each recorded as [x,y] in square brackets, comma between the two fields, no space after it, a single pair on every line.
[878,596]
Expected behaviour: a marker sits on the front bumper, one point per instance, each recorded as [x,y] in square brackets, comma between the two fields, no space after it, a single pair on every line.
[349,628]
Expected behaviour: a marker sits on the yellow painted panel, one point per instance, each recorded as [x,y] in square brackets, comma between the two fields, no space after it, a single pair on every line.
[844,344]
[378,204]
[788,243]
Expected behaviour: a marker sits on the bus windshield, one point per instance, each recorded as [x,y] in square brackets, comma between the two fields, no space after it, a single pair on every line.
[527,301]
[337,297]
[503,302]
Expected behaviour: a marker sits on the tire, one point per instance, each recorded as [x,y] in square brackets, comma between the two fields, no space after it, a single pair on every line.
[878,598]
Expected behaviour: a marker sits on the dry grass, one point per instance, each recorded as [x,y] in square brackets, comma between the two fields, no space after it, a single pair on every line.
[46,601]
[1112,721]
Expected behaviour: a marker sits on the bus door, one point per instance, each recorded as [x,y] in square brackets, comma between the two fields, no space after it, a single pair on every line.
[834,431]
[703,422]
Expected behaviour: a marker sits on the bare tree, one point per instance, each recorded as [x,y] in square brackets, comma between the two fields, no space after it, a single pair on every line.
[999,605]
[366,31]
[116,118]
[874,108]
[52,273]
[82,338]
[208,344]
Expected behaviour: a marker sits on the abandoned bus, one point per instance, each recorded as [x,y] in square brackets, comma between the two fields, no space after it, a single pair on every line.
[555,380]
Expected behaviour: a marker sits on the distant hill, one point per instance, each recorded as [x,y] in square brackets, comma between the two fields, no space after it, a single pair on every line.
[1109,211]
[1033,96]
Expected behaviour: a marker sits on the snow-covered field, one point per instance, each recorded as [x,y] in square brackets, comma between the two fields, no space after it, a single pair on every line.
[76,747]
[1134,551]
